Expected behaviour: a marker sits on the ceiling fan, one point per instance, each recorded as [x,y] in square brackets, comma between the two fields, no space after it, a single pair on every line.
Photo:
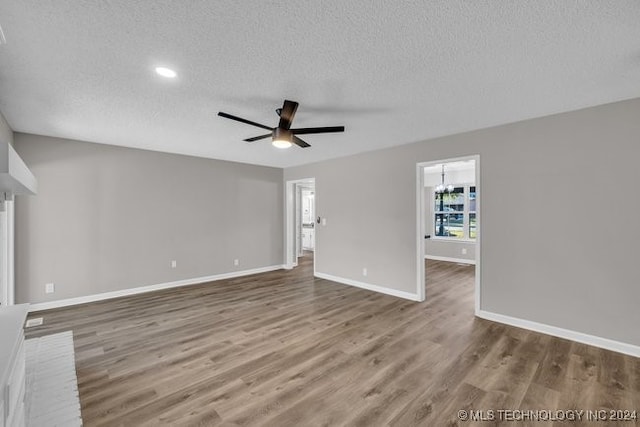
[283,136]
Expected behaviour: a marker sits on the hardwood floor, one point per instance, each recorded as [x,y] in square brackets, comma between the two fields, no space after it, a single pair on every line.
[285,349]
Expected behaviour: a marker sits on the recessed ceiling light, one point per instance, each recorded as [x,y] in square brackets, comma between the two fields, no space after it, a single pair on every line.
[166,72]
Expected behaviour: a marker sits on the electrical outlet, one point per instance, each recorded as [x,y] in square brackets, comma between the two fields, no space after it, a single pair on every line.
[236,262]
[464,251]
[174,263]
[364,271]
[49,288]
[324,221]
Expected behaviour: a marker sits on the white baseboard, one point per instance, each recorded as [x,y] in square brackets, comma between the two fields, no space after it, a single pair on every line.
[617,346]
[369,287]
[142,289]
[449,259]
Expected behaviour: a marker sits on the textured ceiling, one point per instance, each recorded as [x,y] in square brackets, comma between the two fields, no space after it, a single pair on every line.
[392,72]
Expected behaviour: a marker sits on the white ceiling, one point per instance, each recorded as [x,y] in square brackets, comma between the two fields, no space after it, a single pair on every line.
[392,72]
[458,172]
[463,165]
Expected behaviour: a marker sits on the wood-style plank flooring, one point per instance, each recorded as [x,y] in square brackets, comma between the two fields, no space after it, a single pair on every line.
[285,349]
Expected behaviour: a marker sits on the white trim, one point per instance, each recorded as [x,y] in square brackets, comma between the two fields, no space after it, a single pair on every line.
[369,287]
[11,251]
[449,259]
[452,239]
[297,215]
[7,252]
[617,346]
[420,227]
[315,227]
[4,250]
[150,288]
[478,288]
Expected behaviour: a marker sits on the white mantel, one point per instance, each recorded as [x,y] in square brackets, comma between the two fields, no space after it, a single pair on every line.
[15,176]
[12,365]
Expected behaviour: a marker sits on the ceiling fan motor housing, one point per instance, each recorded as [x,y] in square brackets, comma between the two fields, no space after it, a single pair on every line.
[280,134]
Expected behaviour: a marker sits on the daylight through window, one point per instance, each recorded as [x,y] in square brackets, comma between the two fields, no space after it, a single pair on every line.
[455,213]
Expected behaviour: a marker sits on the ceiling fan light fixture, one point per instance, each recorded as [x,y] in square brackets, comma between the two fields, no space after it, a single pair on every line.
[282,138]
[281,143]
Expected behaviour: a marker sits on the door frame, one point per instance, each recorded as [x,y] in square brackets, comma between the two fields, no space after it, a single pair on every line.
[421,227]
[7,266]
[290,228]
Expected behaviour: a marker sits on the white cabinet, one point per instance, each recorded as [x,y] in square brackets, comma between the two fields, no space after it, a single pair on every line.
[12,365]
[308,238]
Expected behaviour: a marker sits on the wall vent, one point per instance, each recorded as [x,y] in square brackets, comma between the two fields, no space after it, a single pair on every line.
[34,322]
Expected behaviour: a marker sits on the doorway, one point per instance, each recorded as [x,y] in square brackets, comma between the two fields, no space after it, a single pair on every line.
[300,227]
[448,217]
[307,215]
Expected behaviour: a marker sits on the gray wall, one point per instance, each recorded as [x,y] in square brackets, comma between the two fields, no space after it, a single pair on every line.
[6,133]
[110,218]
[556,245]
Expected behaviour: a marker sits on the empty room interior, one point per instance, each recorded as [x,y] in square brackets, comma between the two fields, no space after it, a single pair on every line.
[319,213]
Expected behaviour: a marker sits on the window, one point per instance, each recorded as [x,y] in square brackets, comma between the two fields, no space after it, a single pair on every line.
[455,213]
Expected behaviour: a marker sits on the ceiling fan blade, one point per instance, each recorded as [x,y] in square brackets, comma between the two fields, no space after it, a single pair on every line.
[287,112]
[299,142]
[240,119]
[256,138]
[327,129]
